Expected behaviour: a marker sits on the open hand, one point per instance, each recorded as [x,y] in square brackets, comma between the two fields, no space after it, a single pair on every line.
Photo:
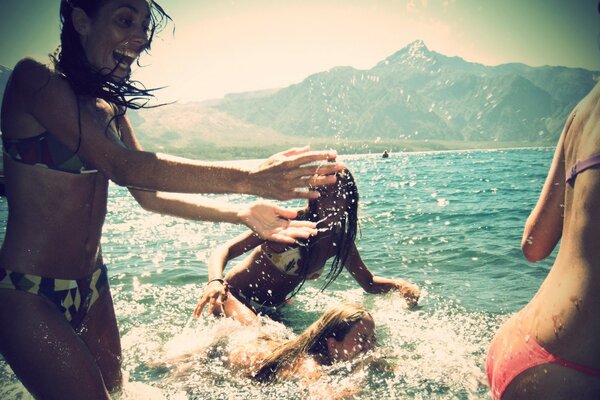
[288,175]
[214,295]
[410,292]
[275,223]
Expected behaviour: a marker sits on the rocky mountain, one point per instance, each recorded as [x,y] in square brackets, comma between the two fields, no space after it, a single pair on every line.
[413,97]
[192,129]
[417,93]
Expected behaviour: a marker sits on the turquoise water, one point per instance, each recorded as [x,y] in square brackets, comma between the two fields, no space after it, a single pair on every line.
[448,221]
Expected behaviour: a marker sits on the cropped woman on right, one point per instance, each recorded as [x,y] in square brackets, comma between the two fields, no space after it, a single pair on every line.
[551,348]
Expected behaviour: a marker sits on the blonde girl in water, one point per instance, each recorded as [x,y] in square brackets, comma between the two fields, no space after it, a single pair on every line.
[260,350]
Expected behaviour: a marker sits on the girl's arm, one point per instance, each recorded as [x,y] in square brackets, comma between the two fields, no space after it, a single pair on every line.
[543,228]
[377,284]
[50,100]
[216,290]
[268,220]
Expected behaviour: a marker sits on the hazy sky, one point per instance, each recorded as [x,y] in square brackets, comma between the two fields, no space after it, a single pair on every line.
[224,46]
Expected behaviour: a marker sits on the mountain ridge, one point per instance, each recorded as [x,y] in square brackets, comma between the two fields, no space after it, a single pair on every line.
[415,95]
[416,92]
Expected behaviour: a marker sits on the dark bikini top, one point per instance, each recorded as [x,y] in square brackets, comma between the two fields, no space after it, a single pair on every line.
[45,150]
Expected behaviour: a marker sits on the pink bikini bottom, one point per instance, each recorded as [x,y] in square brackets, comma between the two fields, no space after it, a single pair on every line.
[524,353]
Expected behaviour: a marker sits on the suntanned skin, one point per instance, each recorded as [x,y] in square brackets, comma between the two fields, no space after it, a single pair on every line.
[564,317]
[55,218]
[258,279]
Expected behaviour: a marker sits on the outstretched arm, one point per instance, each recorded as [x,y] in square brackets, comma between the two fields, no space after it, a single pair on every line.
[268,220]
[377,284]
[543,228]
[49,99]
[215,292]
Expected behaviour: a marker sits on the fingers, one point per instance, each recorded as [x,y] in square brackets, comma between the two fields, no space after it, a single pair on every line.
[300,232]
[291,234]
[213,301]
[282,238]
[294,151]
[313,156]
[198,311]
[285,212]
[303,224]
[210,308]
[309,171]
[412,301]
[321,180]
[300,185]
[307,178]
[411,294]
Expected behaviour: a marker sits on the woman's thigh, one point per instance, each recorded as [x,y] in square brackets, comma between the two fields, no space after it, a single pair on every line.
[44,351]
[553,382]
[100,333]
[237,310]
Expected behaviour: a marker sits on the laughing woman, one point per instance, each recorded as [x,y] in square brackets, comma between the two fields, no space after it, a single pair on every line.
[65,136]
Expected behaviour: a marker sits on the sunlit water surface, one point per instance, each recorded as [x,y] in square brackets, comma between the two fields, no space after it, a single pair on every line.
[449,221]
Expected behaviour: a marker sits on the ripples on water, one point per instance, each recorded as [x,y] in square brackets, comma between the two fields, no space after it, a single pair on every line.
[450,222]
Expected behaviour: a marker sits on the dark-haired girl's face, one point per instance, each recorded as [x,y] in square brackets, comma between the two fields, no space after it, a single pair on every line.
[332,206]
[114,38]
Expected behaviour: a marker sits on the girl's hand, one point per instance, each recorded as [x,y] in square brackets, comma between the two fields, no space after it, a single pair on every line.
[275,223]
[287,175]
[409,291]
[214,295]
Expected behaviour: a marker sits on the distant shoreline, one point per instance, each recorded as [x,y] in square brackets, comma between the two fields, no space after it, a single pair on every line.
[223,153]
[392,154]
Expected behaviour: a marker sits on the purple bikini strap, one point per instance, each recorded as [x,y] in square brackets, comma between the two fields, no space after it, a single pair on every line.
[581,166]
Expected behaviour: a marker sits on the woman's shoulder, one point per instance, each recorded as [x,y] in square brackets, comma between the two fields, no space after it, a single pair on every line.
[30,77]
[589,103]
[594,96]
[305,368]
[28,71]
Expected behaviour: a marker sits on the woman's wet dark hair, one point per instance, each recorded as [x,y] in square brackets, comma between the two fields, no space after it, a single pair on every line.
[71,61]
[344,233]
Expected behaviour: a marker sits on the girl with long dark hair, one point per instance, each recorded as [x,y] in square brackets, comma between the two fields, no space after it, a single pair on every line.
[274,271]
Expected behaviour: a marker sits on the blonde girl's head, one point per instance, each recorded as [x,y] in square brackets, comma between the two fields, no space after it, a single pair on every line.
[341,333]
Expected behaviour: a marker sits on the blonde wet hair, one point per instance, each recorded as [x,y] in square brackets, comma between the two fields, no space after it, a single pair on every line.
[336,322]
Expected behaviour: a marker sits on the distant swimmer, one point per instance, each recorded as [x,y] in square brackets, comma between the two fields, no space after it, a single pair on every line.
[385,154]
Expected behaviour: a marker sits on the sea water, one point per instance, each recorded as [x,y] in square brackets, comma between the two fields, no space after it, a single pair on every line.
[450,222]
